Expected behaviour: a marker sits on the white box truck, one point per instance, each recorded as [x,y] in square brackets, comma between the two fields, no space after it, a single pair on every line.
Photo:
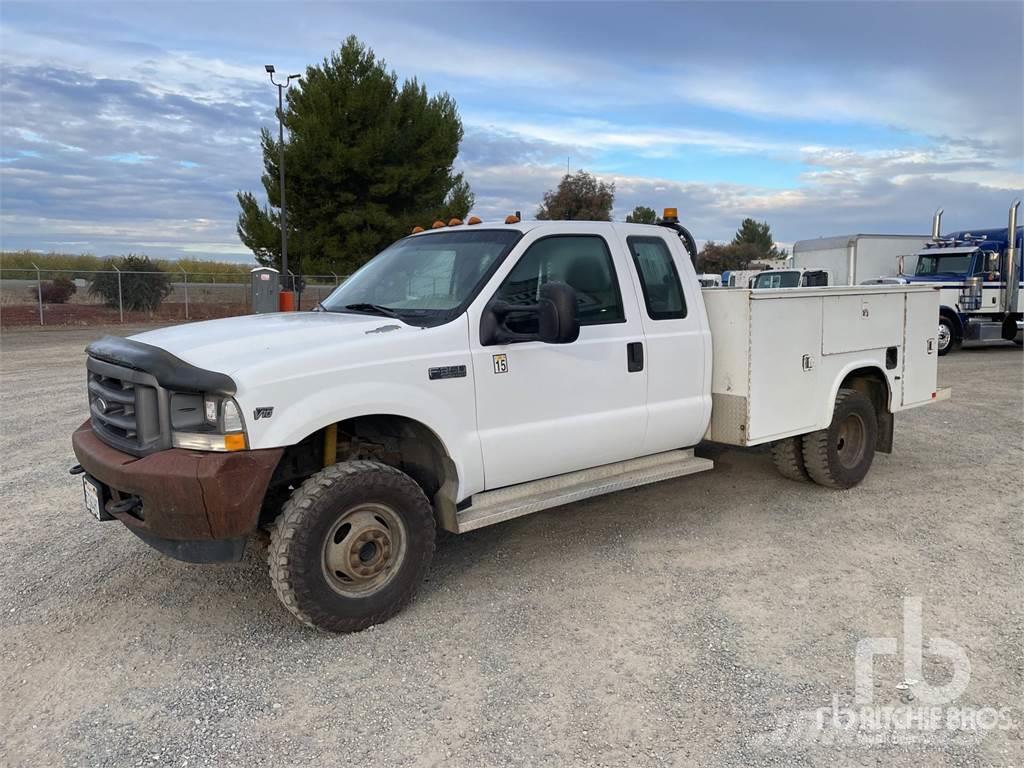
[852,259]
[474,373]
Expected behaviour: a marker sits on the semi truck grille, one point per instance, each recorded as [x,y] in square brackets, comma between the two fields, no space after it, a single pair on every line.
[127,408]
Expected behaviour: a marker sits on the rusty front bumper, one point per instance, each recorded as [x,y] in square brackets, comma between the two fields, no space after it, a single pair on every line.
[196,506]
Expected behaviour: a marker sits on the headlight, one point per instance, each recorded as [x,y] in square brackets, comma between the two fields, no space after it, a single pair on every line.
[222,428]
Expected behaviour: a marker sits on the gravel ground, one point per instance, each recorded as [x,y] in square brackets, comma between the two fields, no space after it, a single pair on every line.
[693,622]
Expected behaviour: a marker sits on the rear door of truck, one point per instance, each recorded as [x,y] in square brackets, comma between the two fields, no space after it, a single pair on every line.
[677,342]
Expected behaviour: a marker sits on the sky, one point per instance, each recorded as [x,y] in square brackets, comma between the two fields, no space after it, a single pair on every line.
[131,127]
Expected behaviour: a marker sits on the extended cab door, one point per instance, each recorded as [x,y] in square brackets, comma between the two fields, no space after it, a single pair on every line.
[678,341]
[546,409]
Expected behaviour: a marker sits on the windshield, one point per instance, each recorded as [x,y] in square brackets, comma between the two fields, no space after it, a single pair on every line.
[951,264]
[421,280]
[789,279]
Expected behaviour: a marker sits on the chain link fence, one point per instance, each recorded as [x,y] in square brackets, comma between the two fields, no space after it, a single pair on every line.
[69,297]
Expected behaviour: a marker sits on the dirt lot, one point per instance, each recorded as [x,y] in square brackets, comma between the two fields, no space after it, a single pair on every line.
[690,623]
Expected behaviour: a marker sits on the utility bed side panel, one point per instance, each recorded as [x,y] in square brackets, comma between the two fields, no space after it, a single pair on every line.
[920,349]
[779,356]
[784,366]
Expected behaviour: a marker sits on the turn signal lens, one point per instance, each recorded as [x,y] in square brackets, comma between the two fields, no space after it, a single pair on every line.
[204,441]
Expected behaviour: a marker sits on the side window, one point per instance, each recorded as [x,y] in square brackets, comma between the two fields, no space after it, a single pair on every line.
[659,279]
[582,261]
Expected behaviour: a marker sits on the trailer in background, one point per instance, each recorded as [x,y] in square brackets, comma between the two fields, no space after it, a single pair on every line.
[852,259]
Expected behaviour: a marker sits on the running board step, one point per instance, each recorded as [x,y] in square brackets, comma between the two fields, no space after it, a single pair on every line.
[496,506]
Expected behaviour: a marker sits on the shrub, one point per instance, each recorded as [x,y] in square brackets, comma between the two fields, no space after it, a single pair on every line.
[143,283]
[56,291]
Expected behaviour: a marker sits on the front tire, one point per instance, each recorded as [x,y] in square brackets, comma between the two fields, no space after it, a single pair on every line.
[351,546]
[841,455]
[946,336]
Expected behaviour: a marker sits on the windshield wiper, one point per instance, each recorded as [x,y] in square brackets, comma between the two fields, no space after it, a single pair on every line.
[372,309]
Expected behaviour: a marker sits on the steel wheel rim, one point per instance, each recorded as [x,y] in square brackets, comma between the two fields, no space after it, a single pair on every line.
[944,336]
[364,549]
[850,441]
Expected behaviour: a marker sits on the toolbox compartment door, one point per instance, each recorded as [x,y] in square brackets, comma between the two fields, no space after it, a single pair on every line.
[853,323]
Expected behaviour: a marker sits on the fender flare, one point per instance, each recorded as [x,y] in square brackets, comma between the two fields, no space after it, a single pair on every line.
[857,365]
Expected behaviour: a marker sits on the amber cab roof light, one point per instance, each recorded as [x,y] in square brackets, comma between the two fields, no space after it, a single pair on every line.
[417,230]
[511,219]
[670,214]
[453,222]
[473,220]
[437,224]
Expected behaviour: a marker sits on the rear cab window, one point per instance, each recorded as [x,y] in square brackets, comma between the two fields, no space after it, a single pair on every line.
[659,278]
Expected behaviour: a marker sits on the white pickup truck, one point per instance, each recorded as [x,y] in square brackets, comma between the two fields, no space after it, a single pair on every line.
[470,374]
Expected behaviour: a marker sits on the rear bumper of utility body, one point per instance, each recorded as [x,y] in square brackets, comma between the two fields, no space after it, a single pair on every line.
[194,506]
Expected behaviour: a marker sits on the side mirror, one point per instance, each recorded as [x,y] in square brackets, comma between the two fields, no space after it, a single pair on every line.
[556,318]
[557,323]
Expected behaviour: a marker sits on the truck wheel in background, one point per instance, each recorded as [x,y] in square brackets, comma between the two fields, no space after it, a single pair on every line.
[788,456]
[947,336]
[351,546]
[841,455]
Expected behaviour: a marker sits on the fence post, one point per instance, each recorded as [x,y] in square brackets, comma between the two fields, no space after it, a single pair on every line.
[120,295]
[186,289]
[39,292]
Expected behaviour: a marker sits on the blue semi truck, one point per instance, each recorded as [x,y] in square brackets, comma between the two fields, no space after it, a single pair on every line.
[980,273]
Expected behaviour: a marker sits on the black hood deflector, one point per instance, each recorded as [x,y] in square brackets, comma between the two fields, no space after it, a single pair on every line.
[170,371]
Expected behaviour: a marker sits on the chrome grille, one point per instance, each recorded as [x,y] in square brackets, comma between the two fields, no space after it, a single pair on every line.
[127,408]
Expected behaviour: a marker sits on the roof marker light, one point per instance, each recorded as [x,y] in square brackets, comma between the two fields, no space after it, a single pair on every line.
[417,230]
[453,222]
[437,224]
[473,220]
[511,219]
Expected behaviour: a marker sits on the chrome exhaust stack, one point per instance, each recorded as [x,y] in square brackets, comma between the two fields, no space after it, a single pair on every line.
[1011,286]
[937,224]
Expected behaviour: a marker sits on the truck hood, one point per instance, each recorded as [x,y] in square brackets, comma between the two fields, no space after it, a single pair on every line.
[233,343]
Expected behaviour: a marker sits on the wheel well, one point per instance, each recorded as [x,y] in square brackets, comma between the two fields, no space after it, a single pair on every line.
[871,382]
[397,441]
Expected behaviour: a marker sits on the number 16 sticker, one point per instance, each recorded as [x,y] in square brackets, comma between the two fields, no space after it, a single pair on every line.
[500,364]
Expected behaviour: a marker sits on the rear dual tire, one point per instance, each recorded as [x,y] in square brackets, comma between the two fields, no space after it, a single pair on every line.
[838,456]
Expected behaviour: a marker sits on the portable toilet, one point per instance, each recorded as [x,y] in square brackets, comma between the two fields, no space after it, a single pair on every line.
[265,287]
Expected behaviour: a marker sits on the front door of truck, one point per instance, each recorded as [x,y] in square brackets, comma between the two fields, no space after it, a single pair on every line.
[546,409]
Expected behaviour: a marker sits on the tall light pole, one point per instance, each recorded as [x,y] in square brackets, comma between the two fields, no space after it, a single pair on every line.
[286,303]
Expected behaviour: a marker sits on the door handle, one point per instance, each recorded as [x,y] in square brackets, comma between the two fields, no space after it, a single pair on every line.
[635,356]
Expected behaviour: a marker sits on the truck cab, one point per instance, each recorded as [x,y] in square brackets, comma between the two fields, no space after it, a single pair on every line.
[980,273]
